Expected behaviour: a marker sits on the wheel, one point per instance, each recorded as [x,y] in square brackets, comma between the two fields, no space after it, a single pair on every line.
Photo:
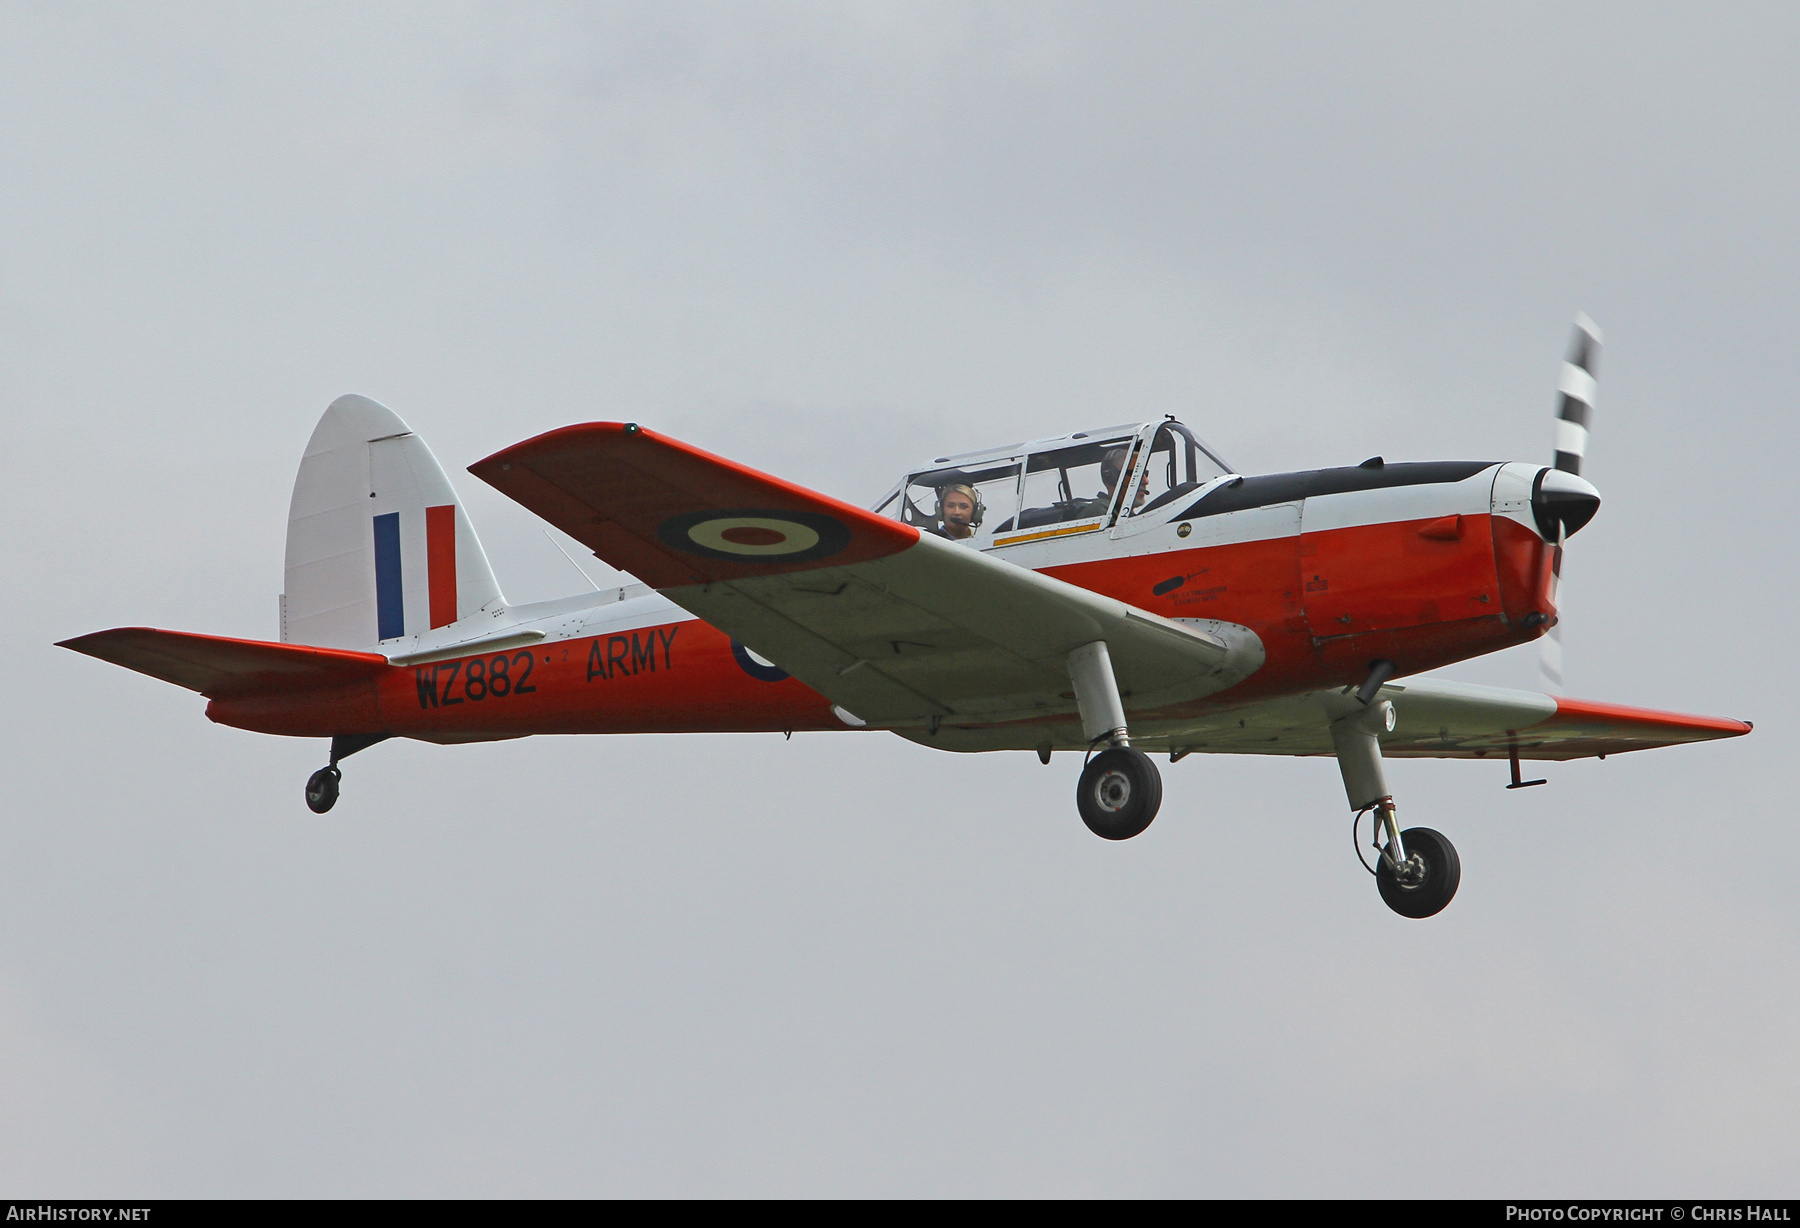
[322,789]
[1119,793]
[1435,887]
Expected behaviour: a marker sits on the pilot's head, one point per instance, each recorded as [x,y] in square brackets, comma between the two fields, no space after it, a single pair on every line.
[1112,465]
[959,507]
[1112,468]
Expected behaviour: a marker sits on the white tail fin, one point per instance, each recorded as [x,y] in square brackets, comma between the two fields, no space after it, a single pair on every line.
[378,545]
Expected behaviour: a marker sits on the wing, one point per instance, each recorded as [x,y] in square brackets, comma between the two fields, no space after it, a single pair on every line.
[894,626]
[222,668]
[1439,719]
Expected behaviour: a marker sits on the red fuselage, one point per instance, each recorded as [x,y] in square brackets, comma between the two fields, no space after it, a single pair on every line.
[1420,592]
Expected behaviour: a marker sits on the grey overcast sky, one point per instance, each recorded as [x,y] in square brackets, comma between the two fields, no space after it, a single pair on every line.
[828,239]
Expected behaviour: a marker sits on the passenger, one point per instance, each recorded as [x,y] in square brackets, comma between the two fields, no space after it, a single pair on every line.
[959,508]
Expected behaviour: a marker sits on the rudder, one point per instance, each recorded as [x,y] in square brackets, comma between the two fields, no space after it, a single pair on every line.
[378,545]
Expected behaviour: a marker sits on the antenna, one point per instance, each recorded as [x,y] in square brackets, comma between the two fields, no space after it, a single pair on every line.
[572,562]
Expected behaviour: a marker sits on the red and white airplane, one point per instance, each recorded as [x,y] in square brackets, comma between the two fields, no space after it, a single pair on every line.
[1109,592]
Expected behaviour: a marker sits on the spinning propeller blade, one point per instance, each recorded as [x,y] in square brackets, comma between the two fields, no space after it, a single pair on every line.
[1574,417]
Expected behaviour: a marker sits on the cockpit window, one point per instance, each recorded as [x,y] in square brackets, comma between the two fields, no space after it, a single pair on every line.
[1014,493]
[1073,482]
[961,502]
[1178,464]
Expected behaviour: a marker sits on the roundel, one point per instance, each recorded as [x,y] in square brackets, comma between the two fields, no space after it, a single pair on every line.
[758,667]
[755,535]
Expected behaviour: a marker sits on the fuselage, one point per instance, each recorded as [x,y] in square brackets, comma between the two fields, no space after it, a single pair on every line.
[1418,564]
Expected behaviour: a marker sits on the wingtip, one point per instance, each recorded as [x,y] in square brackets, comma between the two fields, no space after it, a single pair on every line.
[504,458]
[81,643]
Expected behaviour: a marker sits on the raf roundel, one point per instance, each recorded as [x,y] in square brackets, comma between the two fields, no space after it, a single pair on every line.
[755,535]
[757,665]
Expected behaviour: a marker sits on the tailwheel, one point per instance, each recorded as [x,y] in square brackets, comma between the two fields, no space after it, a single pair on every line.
[1119,794]
[322,789]
[1426,882]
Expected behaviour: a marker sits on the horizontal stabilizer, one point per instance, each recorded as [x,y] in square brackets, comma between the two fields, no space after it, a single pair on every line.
[222,668]
[673,515]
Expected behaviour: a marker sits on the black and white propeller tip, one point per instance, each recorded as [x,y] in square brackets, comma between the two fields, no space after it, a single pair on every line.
[1562,501]
[1577,384]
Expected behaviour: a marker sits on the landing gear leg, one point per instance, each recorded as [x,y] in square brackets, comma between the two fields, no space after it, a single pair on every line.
[1418,870]
[1120,789]
[322,785]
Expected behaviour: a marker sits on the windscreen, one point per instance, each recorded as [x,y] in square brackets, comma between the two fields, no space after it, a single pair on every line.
[1178,464]
[1074,482]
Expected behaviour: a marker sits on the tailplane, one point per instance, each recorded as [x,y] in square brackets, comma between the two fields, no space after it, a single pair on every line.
[221,668]
[378,545]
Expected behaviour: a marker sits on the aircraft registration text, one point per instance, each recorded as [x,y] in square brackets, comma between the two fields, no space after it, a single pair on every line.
[452,682]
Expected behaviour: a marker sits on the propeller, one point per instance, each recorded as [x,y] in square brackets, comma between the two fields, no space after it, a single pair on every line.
[1564,504]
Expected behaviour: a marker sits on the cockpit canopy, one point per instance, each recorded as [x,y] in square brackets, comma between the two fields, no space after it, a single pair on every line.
[1055,487]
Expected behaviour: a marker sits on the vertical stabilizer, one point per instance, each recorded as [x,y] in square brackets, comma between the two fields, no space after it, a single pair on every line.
[378,545]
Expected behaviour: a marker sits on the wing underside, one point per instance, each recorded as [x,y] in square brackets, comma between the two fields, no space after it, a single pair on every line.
[1439,719]
[1436,719]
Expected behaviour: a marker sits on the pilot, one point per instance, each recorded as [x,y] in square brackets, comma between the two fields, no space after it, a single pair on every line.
[1112,468]
[959,508]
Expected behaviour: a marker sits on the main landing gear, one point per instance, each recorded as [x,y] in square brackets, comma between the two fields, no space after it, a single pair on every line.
[1424,883]
[1417,871]
[1120,789]
[1119,793]
[322,785]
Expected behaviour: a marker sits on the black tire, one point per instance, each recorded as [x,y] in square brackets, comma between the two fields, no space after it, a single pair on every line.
[1119,794]
[322,789]
[1443,872]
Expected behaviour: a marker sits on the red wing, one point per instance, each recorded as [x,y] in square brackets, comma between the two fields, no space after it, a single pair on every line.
[1452,720]
[1442,719]
[222,668]
[1582,727]
[673,515]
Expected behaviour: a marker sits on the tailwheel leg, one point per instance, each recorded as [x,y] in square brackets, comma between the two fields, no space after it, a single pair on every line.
[1120,789]
[322,785]
[1417,870]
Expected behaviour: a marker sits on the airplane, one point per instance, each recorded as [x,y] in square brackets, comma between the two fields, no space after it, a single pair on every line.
[1108,592]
